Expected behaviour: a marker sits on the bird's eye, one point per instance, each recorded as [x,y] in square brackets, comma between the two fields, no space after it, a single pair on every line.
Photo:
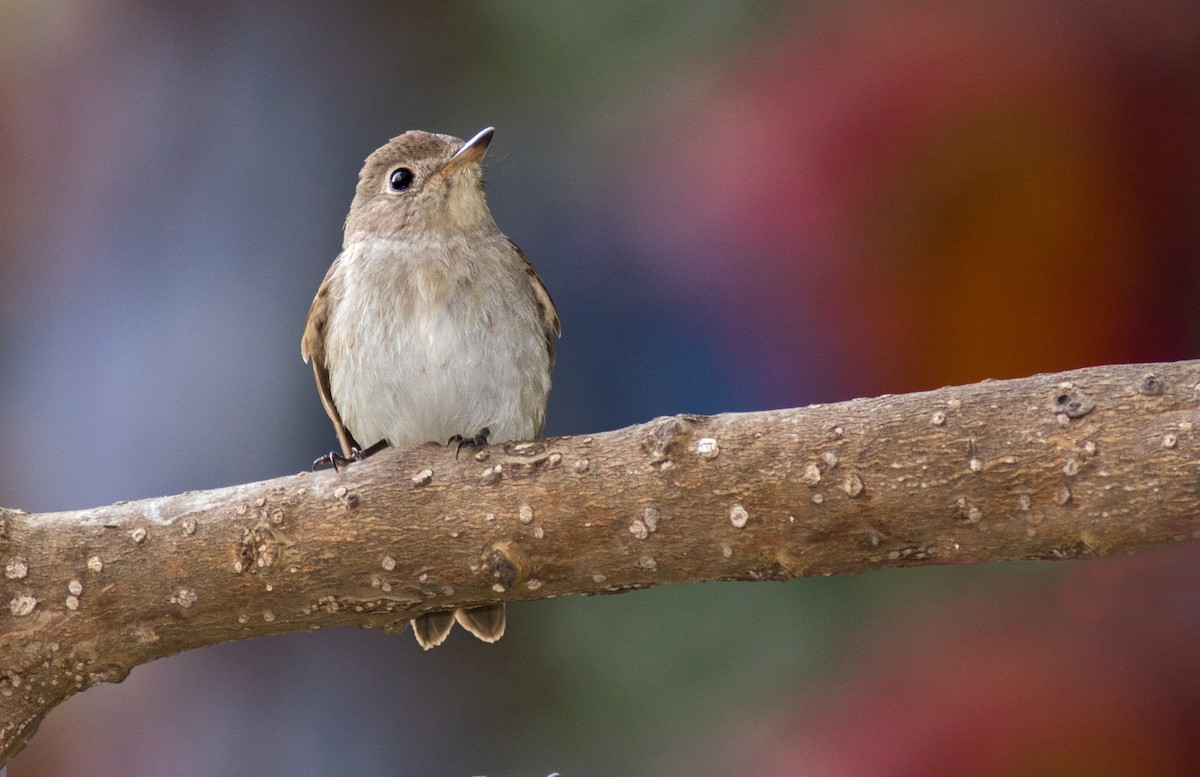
[400,179]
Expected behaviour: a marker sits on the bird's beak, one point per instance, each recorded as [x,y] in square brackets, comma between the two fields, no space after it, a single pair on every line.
[471,152]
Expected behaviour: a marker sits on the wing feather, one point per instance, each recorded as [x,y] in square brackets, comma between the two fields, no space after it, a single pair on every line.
[312,348]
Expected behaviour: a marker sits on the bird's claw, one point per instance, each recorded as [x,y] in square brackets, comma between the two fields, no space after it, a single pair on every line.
[331,459]
[478,441]
[335,459]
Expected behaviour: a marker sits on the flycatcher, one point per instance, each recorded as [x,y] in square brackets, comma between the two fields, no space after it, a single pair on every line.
[430,325]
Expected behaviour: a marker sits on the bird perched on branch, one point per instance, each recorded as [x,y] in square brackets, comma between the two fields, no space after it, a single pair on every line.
[430,325]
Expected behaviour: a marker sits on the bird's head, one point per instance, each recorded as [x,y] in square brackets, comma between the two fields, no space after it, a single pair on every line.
[420,182]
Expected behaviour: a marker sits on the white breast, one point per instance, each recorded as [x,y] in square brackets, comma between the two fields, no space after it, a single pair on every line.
[431,341]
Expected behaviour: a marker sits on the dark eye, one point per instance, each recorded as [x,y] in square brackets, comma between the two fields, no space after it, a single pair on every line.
[400,179]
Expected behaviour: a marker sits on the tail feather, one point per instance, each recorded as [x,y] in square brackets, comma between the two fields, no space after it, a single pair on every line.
[432,628]
[486,622]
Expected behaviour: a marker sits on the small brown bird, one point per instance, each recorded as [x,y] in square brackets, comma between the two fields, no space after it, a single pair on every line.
[430,325]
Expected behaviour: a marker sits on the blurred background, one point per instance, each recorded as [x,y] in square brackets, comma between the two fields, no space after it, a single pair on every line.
[736,205]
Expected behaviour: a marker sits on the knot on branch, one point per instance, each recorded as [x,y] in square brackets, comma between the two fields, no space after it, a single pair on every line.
[508,563]
[1072,403]
[666,435]
[260,548]
[531,454]
[1150,385]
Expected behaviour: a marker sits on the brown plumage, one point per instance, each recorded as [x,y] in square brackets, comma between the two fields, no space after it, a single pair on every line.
[430,324]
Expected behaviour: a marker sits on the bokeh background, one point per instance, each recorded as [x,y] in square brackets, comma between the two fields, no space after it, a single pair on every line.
[736,205]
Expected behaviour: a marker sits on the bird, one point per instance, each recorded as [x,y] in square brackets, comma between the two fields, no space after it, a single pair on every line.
[431,325]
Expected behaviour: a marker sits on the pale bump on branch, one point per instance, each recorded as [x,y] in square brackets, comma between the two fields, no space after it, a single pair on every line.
[1091,462]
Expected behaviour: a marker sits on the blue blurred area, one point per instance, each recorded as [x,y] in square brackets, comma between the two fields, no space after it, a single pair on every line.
[735,206]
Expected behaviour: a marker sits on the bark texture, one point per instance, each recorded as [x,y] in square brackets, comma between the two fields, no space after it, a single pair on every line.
[1086,463]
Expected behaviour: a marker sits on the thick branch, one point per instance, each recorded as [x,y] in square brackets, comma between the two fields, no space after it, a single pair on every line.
[1091,462]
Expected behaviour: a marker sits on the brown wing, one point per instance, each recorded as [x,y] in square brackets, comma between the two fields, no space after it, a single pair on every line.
[312,348]
[550,323]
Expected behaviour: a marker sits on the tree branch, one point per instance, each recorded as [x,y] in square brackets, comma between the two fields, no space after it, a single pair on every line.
[1092,462]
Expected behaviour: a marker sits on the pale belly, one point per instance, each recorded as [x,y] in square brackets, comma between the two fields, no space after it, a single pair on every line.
[448,371]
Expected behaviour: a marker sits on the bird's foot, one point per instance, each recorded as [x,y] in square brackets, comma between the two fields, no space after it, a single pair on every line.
[478,441]
[335,459]
[331,459]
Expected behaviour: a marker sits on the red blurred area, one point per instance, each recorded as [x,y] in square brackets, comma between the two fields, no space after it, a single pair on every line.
[1019,686]
[907,195]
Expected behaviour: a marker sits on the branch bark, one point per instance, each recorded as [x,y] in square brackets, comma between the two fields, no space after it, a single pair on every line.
[1092,462]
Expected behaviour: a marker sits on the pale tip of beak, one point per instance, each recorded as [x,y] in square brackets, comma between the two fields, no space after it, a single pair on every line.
[472,151]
